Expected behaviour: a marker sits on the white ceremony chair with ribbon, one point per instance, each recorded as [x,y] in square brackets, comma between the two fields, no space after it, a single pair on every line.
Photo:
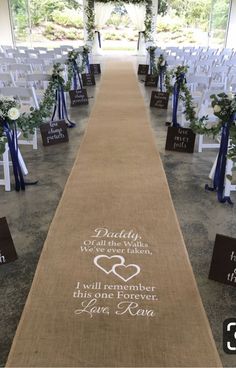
[6,163]
[27,98]
[206,109]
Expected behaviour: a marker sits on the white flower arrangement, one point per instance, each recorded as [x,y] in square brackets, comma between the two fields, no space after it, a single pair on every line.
[9,108]
[13,113]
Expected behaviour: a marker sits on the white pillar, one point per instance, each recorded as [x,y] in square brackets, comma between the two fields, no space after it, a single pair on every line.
[5,24]
[230,42]
[85,4]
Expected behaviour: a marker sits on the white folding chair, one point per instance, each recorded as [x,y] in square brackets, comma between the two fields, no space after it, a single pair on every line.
[39,81]
[27,98]
[5,62]
[19,72]
[6,163]
[7,80]
[206,109]
[37,65]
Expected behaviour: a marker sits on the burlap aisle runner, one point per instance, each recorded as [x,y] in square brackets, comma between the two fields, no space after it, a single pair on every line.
[114,286]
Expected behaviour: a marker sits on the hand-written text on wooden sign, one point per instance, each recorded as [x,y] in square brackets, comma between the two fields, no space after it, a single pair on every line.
[95,69]
[54,132]
[223,264]
[143,69]
[180,140]
[159,99]
[78,97]
[88,79]
[151,80]
[7,249]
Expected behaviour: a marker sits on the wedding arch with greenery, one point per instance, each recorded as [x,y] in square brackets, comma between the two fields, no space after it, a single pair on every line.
[90,15]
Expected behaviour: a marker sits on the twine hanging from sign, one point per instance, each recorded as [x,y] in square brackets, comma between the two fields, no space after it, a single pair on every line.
[60,108]
[220,171]
[179,80]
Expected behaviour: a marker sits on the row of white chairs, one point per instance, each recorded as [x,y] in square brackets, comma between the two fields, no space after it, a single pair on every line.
[199,52]
[38,60]
[24,75]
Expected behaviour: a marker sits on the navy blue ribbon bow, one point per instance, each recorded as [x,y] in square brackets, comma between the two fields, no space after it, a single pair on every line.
[219,176]
[13,148]
[179,80]
[60,108]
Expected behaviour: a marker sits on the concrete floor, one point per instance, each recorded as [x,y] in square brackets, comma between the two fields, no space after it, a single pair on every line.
[29,215]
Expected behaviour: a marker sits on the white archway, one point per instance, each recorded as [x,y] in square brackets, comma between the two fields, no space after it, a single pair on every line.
[149,32]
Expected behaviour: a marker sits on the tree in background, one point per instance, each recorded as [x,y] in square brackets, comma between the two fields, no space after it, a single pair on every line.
[68,13]
[19,11]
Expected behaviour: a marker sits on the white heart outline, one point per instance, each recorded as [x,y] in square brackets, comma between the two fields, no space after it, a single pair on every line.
[129,278]
[104,256]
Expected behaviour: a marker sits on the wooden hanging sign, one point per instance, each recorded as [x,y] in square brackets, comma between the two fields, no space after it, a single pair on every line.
[143,69]
[78,97]
[159,100]
[95,69]
[180,139]
[7,248]
[88,79]
[54,132]
[223,264]
[151,80]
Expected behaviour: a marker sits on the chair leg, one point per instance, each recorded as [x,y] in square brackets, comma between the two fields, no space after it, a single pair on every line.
[229,166]
[213,169]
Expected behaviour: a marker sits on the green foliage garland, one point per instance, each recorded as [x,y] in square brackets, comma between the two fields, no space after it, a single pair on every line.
[224,107]
[90,23]
[27,122]
[148,21]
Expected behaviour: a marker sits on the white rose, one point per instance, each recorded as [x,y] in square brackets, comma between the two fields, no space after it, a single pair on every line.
[230,96]
[217,108]
[13,113]
[210,125]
